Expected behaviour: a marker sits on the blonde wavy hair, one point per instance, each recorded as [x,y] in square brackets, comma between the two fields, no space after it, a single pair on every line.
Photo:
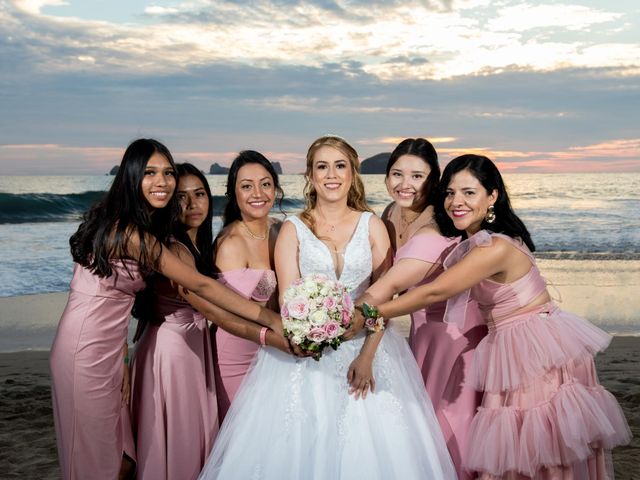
[356,198]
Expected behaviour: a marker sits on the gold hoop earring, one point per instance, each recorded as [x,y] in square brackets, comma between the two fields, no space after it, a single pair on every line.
[490,217]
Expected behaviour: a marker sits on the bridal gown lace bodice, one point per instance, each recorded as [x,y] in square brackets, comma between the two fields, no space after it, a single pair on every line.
[315,257]
[294,418]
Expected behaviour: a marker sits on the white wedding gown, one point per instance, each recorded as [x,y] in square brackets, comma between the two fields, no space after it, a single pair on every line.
[294,419]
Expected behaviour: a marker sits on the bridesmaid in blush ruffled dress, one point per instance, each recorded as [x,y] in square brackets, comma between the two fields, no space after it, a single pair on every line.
[443,352]
[117,245]
[244,257]
[544,414]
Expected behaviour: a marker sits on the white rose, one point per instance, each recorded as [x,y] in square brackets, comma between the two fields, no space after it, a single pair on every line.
[319,317]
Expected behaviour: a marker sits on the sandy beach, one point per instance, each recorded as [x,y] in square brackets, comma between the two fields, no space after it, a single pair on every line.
[27,440]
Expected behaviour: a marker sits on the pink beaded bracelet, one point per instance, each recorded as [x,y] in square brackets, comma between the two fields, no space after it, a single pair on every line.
[263,336]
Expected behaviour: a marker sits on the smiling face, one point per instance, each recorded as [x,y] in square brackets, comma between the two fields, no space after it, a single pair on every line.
[194,201]
[159,181]
[406,178]
[467,201]
[331,174]
[255,191]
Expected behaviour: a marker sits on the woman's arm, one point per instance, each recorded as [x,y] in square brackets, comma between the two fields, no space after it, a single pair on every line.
[286,257]
[479,264]
[360,374]
[237,326]
[195,283]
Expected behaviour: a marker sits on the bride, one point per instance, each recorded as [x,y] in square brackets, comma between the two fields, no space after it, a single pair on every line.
[297,417]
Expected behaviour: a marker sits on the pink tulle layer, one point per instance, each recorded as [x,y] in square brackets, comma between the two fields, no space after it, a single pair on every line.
[521,348]
[565,430]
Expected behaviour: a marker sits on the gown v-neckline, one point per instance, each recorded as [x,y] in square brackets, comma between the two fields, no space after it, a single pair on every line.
[346,247]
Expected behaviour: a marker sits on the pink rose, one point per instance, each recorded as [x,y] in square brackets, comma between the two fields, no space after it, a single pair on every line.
[317,334]
[329,303]
[284,311]
[332,329]
[298,308]
[370,322]
[346,317]
[347,303]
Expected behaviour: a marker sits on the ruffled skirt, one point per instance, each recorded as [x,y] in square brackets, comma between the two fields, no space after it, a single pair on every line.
[544,413]
[293,418]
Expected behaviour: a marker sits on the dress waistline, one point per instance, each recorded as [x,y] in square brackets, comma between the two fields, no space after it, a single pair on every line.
[510,320]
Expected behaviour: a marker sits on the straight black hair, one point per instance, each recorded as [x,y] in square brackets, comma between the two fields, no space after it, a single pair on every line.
[106,228]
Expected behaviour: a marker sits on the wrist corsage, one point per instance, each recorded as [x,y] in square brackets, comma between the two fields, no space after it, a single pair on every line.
[372,319]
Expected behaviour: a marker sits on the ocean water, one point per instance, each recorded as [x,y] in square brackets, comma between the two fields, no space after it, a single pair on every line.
[573,219]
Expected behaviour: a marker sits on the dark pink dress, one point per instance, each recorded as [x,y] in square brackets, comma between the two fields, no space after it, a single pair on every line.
[543,415]
[444,353]
[173,398]
[236,354]
[86,362]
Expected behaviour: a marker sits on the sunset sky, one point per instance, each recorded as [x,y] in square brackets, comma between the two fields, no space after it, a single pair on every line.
[538,86]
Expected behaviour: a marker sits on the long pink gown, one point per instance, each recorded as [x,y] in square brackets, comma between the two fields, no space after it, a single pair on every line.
[543,415]
[444,353]
[236,354]
[173,398]
[86,363]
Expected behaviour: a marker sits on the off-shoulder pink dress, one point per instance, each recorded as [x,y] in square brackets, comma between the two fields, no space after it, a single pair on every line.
[86,363]
[173,397]
[236,354]
[544,414]
[443,352]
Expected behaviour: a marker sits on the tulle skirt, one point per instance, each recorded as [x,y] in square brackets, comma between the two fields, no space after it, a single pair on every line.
[293,418]
[544,413]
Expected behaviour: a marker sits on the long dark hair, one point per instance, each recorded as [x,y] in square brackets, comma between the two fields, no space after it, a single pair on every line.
[423,149]
[144,305]
[106,228]
[231,211]
[202,251]
[506,222]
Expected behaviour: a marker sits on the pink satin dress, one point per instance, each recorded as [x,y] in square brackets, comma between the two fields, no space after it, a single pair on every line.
[444,352]
[235,354]
[173,398]
[86,363]
[544,414]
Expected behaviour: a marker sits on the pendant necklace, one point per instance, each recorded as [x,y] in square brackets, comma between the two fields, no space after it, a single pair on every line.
[406,224]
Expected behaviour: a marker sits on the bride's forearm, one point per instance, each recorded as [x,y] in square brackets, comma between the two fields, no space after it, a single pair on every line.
[370,345]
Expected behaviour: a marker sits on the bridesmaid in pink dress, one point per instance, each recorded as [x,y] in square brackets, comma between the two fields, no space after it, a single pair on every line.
[174,411]
[543,415]
[244,257]
[443,352]
[115,247]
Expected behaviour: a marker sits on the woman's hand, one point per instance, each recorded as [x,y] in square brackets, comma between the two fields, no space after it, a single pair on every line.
[275,322]
[357,324]
[360,376]
[274,339]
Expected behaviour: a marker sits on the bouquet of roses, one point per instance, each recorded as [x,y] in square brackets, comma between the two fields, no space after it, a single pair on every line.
[316,312]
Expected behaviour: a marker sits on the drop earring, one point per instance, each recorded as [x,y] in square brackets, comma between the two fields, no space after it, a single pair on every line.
[490,217]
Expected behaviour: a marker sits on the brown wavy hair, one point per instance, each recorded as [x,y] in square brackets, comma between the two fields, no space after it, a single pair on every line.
[356,198]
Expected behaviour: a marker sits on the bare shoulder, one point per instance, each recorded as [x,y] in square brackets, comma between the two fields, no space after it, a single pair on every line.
[430,229]
[182,252]
[231,251]
[377,228]
[287,229]
[376,223]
